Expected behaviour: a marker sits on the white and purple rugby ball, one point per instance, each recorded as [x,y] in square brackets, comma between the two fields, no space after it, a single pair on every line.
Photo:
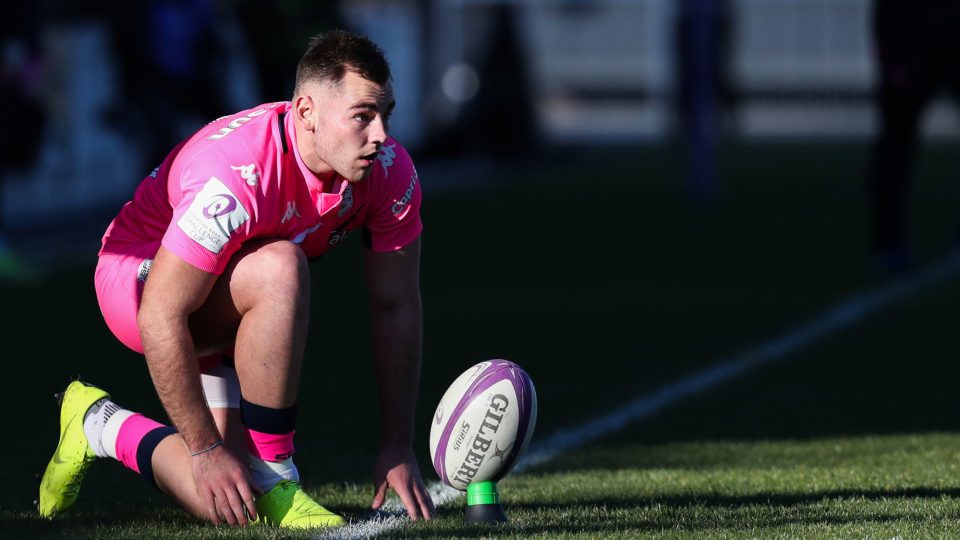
[483,423]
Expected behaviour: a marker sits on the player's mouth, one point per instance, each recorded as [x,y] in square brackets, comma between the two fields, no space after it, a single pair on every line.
[368,159]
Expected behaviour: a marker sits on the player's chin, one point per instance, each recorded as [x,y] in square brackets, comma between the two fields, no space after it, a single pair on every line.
[360,174]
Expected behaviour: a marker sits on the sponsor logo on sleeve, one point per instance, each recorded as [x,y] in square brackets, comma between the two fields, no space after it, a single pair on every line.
[400,207]
[385,157]
[213,216]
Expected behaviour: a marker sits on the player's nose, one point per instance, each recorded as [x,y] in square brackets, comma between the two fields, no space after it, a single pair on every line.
[378,131]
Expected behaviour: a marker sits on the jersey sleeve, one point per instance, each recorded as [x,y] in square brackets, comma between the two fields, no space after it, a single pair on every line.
[211,220]
[394,218]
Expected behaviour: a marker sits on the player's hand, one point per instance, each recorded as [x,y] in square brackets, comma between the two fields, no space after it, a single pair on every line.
[225,487]
[397,468]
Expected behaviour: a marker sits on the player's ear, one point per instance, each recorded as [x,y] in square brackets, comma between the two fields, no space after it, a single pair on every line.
[303,108]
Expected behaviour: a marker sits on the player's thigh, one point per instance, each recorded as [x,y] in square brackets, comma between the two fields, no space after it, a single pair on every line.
[272,271]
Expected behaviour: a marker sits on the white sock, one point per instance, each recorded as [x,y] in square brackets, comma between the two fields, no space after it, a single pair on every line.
[267,474]
[221,387]
[101,425]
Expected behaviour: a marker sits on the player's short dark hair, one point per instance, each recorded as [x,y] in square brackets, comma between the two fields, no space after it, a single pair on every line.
[331,55]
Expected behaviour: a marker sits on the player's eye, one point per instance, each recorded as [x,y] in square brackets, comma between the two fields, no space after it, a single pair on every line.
[365,118]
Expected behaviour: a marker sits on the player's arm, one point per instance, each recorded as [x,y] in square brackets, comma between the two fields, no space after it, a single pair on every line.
[393,282]
[174,290]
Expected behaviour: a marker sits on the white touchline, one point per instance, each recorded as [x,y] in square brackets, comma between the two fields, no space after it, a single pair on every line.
[843,315]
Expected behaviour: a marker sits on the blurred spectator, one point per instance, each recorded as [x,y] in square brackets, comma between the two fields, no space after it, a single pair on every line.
[171,69]
[702,44]
[278,32]
[499,120]
[916,49]
[502,114]
[20,75]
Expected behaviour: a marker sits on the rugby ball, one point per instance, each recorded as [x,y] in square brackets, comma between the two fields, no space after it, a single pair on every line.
[483,423]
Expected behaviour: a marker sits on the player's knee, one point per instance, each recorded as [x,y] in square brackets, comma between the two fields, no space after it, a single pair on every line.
[284,271]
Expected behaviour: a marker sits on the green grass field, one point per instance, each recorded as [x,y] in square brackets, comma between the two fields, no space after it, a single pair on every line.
[598,276]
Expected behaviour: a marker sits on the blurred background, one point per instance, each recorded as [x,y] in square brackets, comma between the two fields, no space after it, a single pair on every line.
[618,194]
[97,92]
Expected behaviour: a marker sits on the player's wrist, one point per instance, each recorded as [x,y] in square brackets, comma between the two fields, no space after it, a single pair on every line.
[204,450]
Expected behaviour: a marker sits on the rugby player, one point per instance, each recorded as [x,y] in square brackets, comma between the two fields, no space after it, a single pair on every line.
[205,272]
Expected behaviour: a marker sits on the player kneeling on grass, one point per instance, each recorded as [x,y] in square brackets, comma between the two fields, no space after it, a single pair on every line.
[205,272]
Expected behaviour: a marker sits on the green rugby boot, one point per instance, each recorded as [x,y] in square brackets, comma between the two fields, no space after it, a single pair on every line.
[61,481]
[286,505]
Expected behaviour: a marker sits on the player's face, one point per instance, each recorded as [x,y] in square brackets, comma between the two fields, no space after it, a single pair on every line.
[352,123]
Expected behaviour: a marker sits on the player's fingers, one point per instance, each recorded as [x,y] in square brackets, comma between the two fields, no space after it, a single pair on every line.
[408,501]
[237,506]
[211,503]
[421,504]
[223,506]
[425,500]
[379,494]
[248,500]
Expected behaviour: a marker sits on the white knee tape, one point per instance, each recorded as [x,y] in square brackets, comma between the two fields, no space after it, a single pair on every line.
[221,387]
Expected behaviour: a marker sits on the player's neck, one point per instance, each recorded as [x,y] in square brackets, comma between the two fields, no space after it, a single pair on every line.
[310,159]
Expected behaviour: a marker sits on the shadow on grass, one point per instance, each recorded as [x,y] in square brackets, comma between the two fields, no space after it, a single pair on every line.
[766,499]
[98,524]
[686,513]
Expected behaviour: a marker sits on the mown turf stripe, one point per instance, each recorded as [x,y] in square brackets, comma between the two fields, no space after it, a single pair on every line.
[845,314]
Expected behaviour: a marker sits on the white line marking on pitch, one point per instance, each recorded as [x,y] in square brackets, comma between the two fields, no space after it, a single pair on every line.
[843,315]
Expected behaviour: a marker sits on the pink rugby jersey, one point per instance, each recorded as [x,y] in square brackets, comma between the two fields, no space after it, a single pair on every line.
[241,177]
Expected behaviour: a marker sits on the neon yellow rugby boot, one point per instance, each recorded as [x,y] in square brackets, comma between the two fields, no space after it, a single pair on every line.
[60,486]
[286,505]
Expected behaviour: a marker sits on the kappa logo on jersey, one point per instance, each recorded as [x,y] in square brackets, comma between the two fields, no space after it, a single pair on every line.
[248,173]
[291,212]
[237,122]
[213,215]
[400,207]
[347,202]
[385,157]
